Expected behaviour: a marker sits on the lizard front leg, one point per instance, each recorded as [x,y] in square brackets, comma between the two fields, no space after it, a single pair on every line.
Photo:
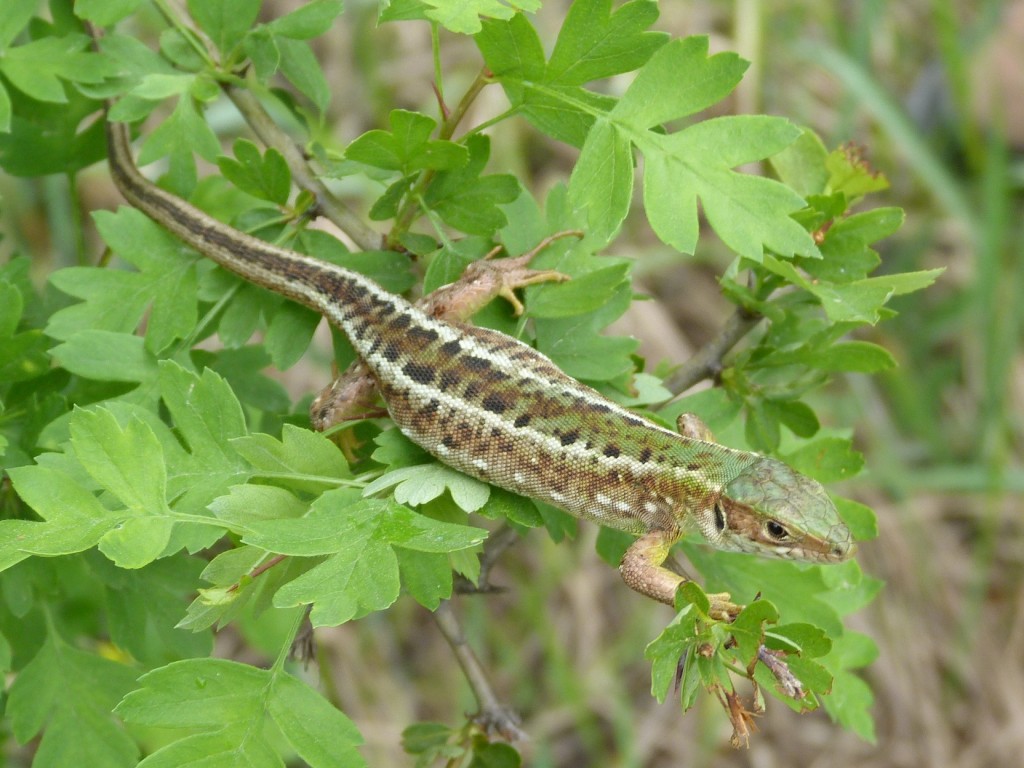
[642,567]
[643,570]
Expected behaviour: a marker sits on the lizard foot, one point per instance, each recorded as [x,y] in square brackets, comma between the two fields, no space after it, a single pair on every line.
[489,277]
[722,608]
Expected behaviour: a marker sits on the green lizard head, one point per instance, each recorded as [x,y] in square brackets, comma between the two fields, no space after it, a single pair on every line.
[769,509]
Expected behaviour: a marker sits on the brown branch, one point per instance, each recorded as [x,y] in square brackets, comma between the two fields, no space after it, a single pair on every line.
[493,716]
[708,362]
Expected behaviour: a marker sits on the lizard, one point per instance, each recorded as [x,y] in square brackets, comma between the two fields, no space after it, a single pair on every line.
[498,410]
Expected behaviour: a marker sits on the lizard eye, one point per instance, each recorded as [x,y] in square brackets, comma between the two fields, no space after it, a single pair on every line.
[776,530]
[719,517]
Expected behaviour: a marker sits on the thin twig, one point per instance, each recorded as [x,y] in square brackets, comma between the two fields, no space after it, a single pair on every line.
[272,136]
[453,118]
[708,361]
[503,538]
[493,716]
[408,211]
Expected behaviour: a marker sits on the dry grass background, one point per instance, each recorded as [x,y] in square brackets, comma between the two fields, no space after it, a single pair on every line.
[942,435]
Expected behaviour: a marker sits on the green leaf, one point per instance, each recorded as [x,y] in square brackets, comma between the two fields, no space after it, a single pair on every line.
[117,300]
[424,482]
[665,651]
[798,416]
[749,213]
[144,605]
[580,295]
[850,174]
[300,66]
[5,110]
[801,165]
[225,700]
[861,356]
[106,356]
[602,181]
[490,754]
[16,16]
[105,13]
[407,147]
[156,86]
[859,301]
[426,576]
[827,460]
[468,201]
[419,738]
[137,541]
[308,21]
[74,518]
[513,51]
[340,521]
[206,414]
[319,733]
[749,628]
[11,306]
[361,574]
[301,459]
[225,21]
[266,177]
[245,503]
[196,693]
[860,519]
[47,137]
[71,693]
[37,68]
[762,427]
[851,700]
[845,252]
[659,94]
[595,43]
[129,462]
[517,509]
[805,639]
[576,345]
[396,450]
[463,16]
[584,353]
[231,747]
[289,333]
[261,47]
[178,136]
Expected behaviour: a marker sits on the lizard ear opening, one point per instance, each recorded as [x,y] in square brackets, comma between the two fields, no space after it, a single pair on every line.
[719,517]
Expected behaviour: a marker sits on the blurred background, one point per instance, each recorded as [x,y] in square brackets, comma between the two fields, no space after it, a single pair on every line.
[934,92]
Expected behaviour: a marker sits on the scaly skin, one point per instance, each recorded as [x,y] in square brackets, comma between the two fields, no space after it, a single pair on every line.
[496,409]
